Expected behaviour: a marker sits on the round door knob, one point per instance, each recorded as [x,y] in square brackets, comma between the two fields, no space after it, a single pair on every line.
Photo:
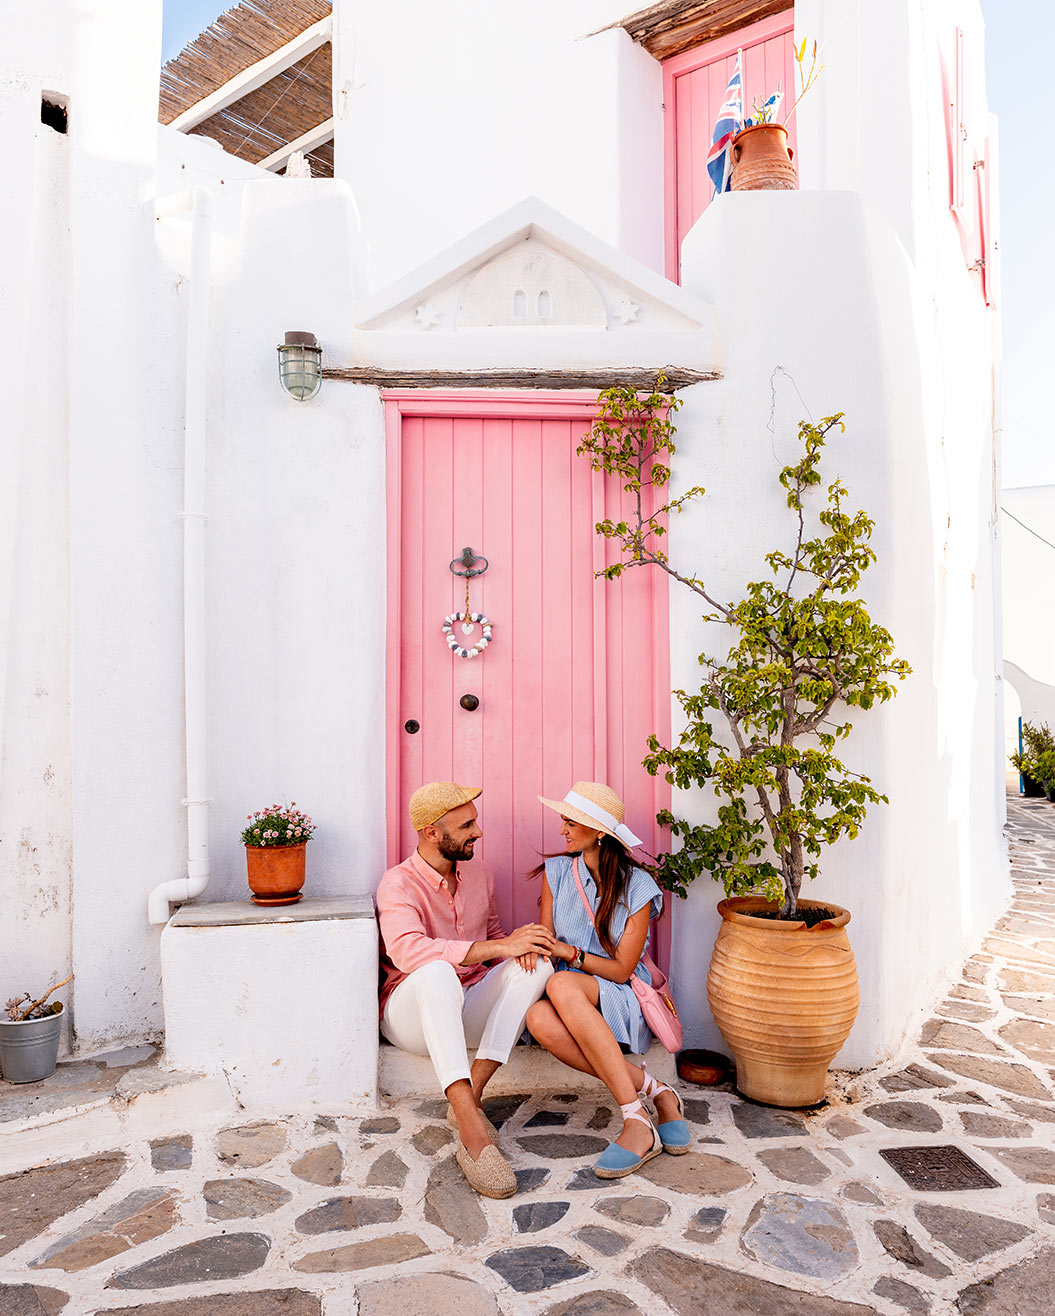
[411,726]
[469,703]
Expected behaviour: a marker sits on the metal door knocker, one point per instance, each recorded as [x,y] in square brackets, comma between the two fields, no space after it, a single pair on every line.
[468,565]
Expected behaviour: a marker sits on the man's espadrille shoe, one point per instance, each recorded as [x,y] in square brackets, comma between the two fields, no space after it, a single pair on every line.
[490,1174]
[489,1128]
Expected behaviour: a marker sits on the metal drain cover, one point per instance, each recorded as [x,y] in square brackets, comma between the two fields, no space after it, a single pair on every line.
[937,1169]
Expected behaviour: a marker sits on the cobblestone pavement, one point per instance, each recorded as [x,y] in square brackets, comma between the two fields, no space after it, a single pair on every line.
[771,1212]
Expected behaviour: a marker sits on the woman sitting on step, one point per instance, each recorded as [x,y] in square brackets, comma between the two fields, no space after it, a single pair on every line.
[598,905]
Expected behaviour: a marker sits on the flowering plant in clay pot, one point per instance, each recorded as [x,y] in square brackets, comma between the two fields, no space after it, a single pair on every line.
[275,840]
[792,657]
[277,826]
[29,1036]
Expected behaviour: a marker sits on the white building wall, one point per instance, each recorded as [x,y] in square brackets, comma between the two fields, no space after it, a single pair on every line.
[1028,519]
[853,302]
[455,112]
[35,768]
[866,306]
[1029,579]
[125,415]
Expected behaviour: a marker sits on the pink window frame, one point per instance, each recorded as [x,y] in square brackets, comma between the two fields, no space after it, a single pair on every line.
[720,48]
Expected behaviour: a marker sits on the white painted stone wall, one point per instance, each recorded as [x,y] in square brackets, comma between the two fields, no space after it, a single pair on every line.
[859,296]
[1028,574]
[1029,579]
[453,113]
[35,768]
[864,305]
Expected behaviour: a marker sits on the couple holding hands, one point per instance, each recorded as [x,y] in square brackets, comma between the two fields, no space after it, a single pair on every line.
[441,990]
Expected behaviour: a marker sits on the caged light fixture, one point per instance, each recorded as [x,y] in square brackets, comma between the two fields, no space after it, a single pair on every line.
[300,365]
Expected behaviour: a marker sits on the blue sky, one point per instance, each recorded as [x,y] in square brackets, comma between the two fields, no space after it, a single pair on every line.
[1018,37]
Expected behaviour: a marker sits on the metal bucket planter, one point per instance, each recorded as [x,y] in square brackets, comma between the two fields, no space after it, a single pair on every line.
[29,1049]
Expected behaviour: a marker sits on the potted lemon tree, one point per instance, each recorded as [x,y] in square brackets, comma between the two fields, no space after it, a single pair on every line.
[798,651]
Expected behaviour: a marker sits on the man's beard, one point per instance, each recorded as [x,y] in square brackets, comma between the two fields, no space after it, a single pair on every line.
[451,849]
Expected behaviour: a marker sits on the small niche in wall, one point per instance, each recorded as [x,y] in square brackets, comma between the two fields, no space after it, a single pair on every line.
[54,111]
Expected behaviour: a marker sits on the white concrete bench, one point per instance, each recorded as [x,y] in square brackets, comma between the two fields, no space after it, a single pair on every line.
[281,1002]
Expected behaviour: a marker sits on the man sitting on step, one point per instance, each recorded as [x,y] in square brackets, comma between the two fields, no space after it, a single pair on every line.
[439,991]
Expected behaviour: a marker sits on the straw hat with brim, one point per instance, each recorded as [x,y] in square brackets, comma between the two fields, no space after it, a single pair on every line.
[429,803]
[595,805]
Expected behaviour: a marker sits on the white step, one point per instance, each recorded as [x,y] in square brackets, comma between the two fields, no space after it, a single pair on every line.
[530,1069]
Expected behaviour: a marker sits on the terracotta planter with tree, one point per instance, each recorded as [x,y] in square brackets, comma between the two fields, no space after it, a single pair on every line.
[761,733]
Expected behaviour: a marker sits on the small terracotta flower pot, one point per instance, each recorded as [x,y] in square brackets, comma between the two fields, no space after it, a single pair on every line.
[276,873]
[762,160]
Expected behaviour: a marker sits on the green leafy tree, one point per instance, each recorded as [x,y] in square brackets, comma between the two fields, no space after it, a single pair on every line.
[803,651]
[1036,759]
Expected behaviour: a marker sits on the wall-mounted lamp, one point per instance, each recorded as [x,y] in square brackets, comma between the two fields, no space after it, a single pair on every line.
[300,365]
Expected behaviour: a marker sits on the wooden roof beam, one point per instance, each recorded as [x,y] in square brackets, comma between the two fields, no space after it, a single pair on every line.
[305,142]
[256,75]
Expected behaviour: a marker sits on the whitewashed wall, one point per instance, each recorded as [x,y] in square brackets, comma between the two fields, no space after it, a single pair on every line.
[1029,579]
[35,767]
[860,301]
[1028,575]
[454,112]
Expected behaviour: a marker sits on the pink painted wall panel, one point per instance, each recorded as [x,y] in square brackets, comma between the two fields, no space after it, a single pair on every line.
[694,88]
[577,674]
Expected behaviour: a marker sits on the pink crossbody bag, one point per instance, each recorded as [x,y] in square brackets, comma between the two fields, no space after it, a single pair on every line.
[655,1000]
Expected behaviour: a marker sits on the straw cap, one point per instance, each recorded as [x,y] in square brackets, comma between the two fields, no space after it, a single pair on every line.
[595,805]
[430,802]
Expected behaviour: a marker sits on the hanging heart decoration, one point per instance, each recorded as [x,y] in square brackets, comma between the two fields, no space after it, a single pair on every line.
[469,621]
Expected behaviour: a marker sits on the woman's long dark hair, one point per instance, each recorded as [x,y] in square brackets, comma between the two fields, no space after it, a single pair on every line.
[614,868]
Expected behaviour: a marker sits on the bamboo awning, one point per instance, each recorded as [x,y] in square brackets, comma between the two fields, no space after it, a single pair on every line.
[271,116]
[668,28]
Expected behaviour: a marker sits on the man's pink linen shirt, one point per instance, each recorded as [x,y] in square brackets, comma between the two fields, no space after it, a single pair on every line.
[420,921]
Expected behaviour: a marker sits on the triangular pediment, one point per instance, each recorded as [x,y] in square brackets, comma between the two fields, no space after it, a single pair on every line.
[532,269]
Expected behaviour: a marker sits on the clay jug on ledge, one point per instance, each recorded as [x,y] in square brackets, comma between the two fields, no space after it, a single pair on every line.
[762,159]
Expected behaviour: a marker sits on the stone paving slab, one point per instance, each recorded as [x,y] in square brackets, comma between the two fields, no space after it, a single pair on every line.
[771,1212]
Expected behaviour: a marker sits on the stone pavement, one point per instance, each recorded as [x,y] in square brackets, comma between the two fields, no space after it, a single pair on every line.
[771,1212]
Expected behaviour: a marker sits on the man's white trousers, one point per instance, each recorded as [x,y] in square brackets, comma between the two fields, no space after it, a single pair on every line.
[430,1013]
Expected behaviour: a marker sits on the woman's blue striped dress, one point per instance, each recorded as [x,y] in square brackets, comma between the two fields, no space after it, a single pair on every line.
[571,924]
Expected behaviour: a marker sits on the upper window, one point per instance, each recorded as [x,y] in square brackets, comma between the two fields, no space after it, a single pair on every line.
[694,85]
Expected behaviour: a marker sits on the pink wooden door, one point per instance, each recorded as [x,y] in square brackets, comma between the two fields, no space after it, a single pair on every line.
[576,676]
[694,86]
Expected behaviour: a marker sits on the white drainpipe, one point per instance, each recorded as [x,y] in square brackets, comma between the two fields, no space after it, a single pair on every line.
[199,202]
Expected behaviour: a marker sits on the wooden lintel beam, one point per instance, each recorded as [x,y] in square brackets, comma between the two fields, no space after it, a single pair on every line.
[672,26]
[600,377]
[256,75]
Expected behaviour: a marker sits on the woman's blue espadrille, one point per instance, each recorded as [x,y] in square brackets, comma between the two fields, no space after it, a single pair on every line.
[615,1162]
